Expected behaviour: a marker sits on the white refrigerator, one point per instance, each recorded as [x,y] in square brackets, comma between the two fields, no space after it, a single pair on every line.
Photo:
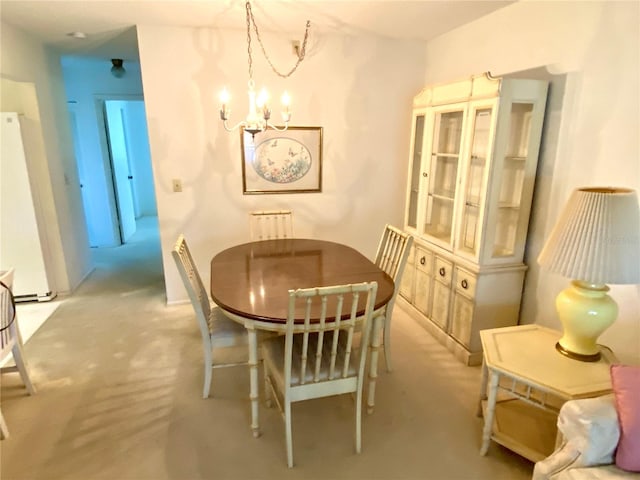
[22,243]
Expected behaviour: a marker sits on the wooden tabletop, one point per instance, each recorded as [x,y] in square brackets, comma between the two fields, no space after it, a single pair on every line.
[252,280]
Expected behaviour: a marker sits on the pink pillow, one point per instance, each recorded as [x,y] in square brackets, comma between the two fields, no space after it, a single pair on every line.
[626,388]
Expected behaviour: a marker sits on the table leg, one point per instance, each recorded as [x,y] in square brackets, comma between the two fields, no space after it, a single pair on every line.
[254,395]
[494,378]
[483,388]
[373,367]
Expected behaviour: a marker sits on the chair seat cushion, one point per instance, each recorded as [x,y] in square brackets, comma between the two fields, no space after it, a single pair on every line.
[273,352]
[225,332]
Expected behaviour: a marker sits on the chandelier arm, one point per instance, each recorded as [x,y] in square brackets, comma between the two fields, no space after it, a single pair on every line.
[286,126]
[301,53]
[235,127]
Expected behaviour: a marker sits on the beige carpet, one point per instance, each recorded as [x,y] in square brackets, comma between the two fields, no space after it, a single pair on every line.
[119,379]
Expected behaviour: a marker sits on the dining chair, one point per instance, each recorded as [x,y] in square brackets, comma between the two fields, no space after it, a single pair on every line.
[217,330]
[318,358]
[392,254]
[10,341]
[271,224]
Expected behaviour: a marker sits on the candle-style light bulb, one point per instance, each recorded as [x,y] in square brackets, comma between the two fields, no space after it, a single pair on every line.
[262,98]
[224,96]
[224,99]
[286,101]
[263,103]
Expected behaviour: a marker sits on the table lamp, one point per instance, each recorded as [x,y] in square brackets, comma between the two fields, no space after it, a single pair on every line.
[596,241]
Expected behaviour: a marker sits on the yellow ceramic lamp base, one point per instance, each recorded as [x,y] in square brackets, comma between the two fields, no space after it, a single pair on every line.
[585,311]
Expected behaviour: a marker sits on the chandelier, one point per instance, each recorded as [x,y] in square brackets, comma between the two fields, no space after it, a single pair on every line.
[257,120]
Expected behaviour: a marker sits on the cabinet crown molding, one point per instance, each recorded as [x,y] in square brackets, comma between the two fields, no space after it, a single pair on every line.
[472,88]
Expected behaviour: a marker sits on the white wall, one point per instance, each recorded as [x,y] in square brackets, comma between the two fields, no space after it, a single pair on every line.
[359,89]
[26,60]
[595,44]
[86,81]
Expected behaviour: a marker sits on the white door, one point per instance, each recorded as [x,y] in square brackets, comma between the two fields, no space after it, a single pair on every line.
[89,215]
[121,170]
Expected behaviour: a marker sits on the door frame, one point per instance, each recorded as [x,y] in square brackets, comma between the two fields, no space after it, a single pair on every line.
[99,100]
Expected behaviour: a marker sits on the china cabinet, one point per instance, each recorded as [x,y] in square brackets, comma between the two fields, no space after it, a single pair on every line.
[474,151]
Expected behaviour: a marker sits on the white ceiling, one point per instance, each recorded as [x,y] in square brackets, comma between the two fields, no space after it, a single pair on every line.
[109,24]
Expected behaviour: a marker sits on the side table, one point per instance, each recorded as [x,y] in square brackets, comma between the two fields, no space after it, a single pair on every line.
[522,366]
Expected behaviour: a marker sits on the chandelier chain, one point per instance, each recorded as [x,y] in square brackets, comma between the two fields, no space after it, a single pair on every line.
[250,60]
[301,52]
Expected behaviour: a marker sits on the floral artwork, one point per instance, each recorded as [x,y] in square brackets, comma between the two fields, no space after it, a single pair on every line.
[281,160]
[288,161]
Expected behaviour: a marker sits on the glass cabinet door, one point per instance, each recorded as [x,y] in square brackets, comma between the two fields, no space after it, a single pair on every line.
[416,169]
[443,174]
[508,223]
[474,190]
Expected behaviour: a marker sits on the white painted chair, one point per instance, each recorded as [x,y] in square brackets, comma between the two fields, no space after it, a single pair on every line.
[10,341]
[319,360]
[216,329]
[271,224]
[392,254]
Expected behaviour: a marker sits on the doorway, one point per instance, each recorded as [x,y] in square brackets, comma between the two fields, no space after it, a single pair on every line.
[124,139]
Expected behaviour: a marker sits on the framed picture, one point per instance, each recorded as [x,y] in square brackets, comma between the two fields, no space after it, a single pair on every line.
[282,162]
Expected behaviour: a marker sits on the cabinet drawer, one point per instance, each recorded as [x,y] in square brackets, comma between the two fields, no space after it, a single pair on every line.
[465,282]
[424,260]
[443,270]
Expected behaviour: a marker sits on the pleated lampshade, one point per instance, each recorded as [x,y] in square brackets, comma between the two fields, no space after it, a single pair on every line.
[597,237]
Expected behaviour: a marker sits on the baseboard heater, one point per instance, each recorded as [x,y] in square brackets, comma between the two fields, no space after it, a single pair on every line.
[36,297]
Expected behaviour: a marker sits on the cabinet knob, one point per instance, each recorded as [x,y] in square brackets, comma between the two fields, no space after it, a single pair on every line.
[425,174]
[464,284]
[442,271]
[423,260]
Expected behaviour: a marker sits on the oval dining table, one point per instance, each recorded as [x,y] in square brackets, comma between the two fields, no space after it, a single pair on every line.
[251,283]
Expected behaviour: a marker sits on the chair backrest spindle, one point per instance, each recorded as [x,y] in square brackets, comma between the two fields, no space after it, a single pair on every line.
[392,251]
[271,224]
[193,283]
[330,319]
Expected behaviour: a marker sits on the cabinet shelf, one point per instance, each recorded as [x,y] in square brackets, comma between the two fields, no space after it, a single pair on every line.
[524,429]
[446,155]
[440,235]
[444,198]
[508,206]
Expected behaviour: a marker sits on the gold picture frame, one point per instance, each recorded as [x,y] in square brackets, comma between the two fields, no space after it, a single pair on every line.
[288,161]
